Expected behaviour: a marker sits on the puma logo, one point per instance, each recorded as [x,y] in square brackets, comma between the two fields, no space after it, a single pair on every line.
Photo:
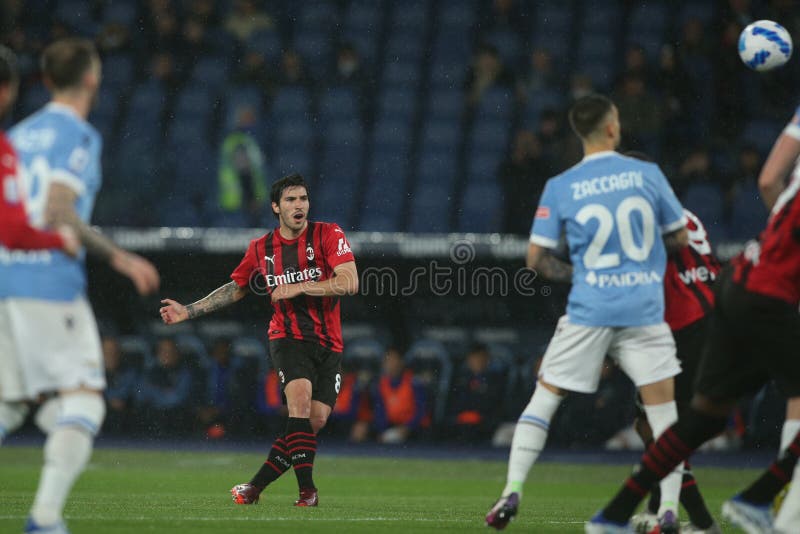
[270,259]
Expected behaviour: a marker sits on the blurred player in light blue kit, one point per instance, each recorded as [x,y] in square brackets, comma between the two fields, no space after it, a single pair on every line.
[44,314]
[617,213]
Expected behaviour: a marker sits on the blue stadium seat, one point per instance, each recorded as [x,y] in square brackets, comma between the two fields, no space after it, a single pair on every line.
[405,46]
[120,12]
[431,364]
[458,15]
[441,134]
[385,193]
[600,72]
[705,201]
[489,136]
[556,15]
[540,100]
[596,46]
[508,45]
[481,208]
[431,204]
[364,15]
[401,74]
[211,71]
[344,133]
[482,167]
[447,102]
[291,102]
[496,104]
[294,133]
[748,213]
[364,41]
[703,11]
[649,16]
[266,42]
[603,16]
[452,47]
[338,103]
[230,219]
[392,135]
[240,97]
[194,101]
[118,71]
[76,15]
[397,103]
[410,15]
[147,101]
[317,14]
[437,167]
[316,48]
[294,159]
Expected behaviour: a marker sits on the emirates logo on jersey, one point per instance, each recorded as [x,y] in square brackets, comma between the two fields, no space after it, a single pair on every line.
[293,277]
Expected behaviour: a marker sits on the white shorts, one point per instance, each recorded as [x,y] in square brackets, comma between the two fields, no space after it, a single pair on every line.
[574,358]
[48,346]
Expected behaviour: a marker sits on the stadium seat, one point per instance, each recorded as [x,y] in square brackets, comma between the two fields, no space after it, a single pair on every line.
[211,71]
[452,47]
[365,353]
[291,103]
[441,135]
[291,160]
[338,103]
[392,135]
[458,16]
[404,46]
[446,102]
[748,213]
[705,201]
[508,45]
[399,73]
[316,48]
[437,166]
[496,103]
[385,193]
[365,42]
[194,101]
[120,13]
[118,71]
[761,133]
[430,209]
[397,104]
[412,15]
[649,16]
[364,15]
[603,16]
[136,350]
[482,167]
[266,42]
[317,14]
[290,134]
[489,136]
[481,208]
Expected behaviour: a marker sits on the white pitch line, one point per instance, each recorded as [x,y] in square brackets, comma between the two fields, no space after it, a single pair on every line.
[268,519]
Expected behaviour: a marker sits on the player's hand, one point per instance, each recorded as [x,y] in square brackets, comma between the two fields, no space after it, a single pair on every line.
[286,291]
[72,245]
[141,272]
[173,312]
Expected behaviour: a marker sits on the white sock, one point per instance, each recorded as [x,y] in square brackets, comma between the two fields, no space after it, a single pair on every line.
[529,437]
[66,453]
[791,427]
[12,415]
[661,417]
[789,515]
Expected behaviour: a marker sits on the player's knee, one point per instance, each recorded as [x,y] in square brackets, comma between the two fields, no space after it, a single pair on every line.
[318,422]
[84,410]
[12,415]
[47,414]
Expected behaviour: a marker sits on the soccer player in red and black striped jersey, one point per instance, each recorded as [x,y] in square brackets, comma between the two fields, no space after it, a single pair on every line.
[688,302]
[15,231]
[304,267]
[753,335]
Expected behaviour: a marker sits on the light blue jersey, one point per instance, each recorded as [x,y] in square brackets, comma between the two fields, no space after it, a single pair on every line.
[54,145]
[614,210]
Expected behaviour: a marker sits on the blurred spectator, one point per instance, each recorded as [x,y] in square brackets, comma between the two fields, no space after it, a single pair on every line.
[540,75]
[226,386]
[477,399]
[729,91]
[162,69]
[486,71]
[113,37]
[194,43]
[524,175]
[400,401]
[252,69]
[747,169]
[551,137]
[242,172]
[349,70]
[695,168]
[636,63]
[246,18]
[164,32]
[292,70]
[639,114]
[675,98]
[203,11]
[121,383]
[580,85]
[165,392]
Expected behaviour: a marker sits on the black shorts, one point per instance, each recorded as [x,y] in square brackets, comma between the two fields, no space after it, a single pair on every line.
[293,359]
[751,339]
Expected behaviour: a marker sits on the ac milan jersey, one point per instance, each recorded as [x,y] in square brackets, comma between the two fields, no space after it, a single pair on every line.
[771,266]
[271,261]
[15,232]
[688,296]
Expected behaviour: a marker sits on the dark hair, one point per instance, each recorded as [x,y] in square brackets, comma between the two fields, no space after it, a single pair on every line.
[587,113]
[8,66]
[65,62]
[292,180]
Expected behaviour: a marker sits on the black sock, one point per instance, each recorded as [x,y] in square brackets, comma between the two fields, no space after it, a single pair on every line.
[302,446]
[766,488]
[692,500]
[277,463]
[655,492]
[675,445]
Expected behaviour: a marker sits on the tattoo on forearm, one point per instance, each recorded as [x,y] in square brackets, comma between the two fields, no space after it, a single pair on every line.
[96,243]
[219,298]
[554,269]
[61,210]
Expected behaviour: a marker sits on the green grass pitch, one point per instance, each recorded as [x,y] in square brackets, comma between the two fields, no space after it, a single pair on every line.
[127,491]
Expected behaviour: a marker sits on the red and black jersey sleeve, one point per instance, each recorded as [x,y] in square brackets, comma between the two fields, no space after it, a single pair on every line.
[248,267]
[335,246]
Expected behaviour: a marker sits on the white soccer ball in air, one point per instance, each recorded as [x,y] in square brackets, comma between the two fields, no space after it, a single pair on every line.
[764,45]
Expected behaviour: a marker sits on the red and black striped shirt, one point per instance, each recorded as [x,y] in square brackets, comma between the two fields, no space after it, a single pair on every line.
[688,296]
[771,266]
[272,260]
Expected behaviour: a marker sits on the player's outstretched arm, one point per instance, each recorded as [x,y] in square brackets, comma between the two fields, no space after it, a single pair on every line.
[674,241]
[60,211]
[541,260]
[779,164]
[175,312]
